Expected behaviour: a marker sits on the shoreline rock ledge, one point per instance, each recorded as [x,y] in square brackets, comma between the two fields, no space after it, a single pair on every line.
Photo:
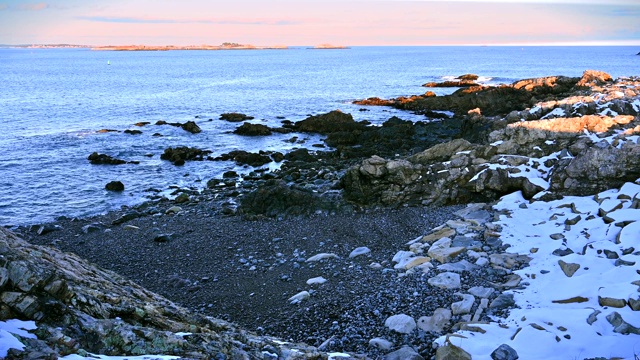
[81,309]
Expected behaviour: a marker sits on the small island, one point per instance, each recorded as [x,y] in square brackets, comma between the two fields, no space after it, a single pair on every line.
[328,47]
[223,46]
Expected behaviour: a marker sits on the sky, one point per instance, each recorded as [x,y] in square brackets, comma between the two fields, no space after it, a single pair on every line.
[314,22]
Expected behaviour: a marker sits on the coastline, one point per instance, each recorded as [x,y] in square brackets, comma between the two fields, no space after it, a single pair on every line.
[466,262]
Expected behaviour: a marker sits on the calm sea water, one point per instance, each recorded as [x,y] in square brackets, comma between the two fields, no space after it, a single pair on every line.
[53,102]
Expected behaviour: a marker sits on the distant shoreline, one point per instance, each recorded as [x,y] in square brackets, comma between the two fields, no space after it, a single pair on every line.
[224,46]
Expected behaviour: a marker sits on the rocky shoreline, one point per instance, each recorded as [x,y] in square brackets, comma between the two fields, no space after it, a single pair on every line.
[397,277]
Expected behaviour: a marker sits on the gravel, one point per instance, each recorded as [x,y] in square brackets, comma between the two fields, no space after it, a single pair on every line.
[245,271]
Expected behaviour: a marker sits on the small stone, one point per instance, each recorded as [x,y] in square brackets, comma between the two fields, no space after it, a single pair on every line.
[562,252]
[503,301]
[593,317]
[621,262]
[303,295]
[380,343]
[87,229]
[568,268]
[47,228]
[445,232]
[481,292]
[451,352]
[464,306]
[575,299]
[404,353]
[504,352]
[447,280]
[612,302]
[163,237]
[458,267]
[321,256]
[634,304]
[437,322]
[416,261]
[401,323]
[572,221]
[557,236]
[611,254]
[316,281]
[182,198]
[359,251]
[130,227]
[173,210]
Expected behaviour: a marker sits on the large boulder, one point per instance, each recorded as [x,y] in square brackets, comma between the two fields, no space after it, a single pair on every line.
[180,154]
[242,157]
[249,129]
[276,198]
[79,308]
[597,168]
[330,122]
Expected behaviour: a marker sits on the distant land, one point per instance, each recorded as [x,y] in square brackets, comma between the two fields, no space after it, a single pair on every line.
[223,46]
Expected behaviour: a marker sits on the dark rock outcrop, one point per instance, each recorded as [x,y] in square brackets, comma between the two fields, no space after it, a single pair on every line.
[276,198]
[451,83]
[189,126]
[235,117]
[114,186]
[249,129]
[180,154]
[566,146]
[242,157]
[334,121]
[79,308]
[104,159]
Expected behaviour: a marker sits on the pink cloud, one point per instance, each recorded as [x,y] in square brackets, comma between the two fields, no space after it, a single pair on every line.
[33,7]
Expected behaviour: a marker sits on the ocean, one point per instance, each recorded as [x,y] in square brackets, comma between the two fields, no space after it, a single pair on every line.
[53,102]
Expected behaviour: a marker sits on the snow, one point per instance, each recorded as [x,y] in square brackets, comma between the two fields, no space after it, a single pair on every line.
[17,327]
[541,328]
[557,112]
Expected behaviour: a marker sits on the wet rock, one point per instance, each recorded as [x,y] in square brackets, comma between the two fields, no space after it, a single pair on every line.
[191,127]
[401,323]
[334,121]
[235,117]
[242,157]
[127,217]
[276,198]
[249,129]
[504,352]
[299,155]
[100,159]
[180,154]
[48,228]
[114,186]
